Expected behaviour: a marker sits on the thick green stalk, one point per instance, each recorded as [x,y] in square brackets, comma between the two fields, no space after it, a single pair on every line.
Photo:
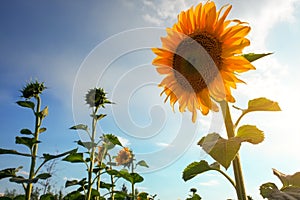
[35,148]
[92,157]
[240,187]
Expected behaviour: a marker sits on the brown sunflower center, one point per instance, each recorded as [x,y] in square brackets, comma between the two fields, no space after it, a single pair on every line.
[197,61]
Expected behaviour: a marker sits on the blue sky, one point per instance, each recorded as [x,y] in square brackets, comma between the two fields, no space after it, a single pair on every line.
[73,46]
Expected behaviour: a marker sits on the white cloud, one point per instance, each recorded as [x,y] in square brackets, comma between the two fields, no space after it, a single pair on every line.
[24,173]
[70,178]
[162,144]
[210,183]
[152,20]
[125,142]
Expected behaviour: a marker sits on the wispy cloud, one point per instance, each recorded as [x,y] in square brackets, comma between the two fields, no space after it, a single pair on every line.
[210,183]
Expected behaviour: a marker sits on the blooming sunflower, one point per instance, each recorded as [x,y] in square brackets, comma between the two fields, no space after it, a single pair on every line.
[124,157]
[201,58]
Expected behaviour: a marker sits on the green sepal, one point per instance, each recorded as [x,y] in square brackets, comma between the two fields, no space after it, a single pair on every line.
[253,56]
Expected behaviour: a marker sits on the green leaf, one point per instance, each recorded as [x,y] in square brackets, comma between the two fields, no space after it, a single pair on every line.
[253,56]
[43,176]
[74,158]
[9,172]
[20,197]
[222,150]
[250,133]
[94,194]
[106,185]
[9,151]
[5,198]
[262,104]
[143,195]
[270,191]
[26,104]
[87,145]
[47,197]
[44,112]
[21,179]
[142,163]
[131,177]
[197,168]
[29,142]
[82,182]
[80,127]
[113,139]
[98,117]
[48,157]
[26,131]
[43,129]
[288,180]
[75,195]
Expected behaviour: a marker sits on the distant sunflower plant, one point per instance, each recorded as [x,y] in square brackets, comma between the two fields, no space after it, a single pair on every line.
[32,100]
[202,58]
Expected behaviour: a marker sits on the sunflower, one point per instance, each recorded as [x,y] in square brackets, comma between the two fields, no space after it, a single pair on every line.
[124,157]
[201,58]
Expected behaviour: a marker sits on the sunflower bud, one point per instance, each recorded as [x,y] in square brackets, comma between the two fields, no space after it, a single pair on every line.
[96,97]
[32,89]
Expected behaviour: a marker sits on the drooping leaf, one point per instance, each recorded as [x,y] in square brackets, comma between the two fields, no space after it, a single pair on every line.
[288,180]
[74,158]
[9,172]
[9,151]
[131,177]
[94,194]
[98,117]
[250,133]
[26,131]
[222,150]
[82,182]
[142,163]
[5,198]
[105,185]
[80,127]
[43,129]
[21,179]
[43,176]
[48,157]
[113,139]
[47,197]
[26,104]
[20,197]
[253,56]
[271,192]
[29,142]
[262,104]
[87,145]
[197,168]
[75,195]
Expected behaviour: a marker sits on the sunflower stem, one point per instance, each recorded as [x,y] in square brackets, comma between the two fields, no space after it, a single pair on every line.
[35,149]
[237,168]
[92,156]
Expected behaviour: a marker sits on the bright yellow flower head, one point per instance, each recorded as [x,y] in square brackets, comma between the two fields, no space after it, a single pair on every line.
[201,56]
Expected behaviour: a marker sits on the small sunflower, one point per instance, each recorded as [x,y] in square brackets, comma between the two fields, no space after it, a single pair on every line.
[124,157]
[96,97]
[32,89]
[201,58]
